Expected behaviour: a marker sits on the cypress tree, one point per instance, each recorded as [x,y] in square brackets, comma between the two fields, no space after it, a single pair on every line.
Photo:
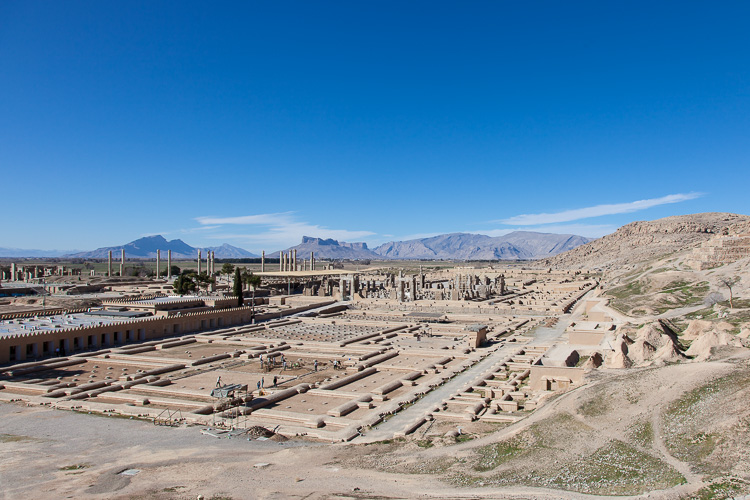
[237,288]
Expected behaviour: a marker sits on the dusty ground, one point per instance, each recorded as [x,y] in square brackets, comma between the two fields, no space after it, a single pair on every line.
[34,303]
[676,431]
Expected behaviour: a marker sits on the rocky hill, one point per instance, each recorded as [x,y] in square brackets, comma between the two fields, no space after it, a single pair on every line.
[645,240]
[145,248]
[330,249]
[518,245]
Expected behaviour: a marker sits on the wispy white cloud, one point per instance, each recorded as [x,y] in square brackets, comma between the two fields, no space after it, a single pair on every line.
[587,230]
[596,211]
[275,231]
[280,218]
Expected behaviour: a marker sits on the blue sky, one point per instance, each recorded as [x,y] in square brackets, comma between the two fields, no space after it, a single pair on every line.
[256,123]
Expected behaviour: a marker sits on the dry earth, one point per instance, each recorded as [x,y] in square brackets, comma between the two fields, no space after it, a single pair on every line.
[679,430]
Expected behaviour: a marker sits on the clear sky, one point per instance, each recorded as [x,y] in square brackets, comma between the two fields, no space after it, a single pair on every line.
[256,123]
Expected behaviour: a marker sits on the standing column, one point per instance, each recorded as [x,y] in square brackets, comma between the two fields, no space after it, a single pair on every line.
[158,262]
[109,264]
[199,261]
[169,264]
[263,261]
[312,261]
[13,271]
[294,267]
[342,288]
[122,262]
[281,261]
[208,262]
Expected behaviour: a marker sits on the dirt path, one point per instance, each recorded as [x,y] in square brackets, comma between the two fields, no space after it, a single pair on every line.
[661,448]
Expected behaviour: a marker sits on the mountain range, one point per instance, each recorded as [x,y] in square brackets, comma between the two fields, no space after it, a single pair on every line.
[518,245]
[25,252]
[145,248]
[330,249]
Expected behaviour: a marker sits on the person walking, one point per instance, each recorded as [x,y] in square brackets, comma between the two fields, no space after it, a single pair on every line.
[262,383]
[259,385]
[316,365]
[275,379]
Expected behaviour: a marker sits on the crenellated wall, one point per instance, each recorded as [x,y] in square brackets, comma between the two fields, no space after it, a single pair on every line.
[36,345]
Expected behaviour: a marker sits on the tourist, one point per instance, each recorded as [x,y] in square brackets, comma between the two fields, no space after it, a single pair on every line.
[275,379]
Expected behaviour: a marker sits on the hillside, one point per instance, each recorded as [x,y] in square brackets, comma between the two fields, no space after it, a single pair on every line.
[644,240]
[518,245]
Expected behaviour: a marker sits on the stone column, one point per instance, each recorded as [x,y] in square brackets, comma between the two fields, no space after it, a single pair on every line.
[109,264]
[312,261]
[158,262]
[294,260]
[169,264]
[208,261]
[199,261]
[263,261]
[213,262]
[122,262]
[281,261]
[13,271]
[342,288]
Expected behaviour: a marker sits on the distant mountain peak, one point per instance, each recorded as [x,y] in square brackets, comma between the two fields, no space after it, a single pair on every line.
[146,247]
[518,245]
[330,249]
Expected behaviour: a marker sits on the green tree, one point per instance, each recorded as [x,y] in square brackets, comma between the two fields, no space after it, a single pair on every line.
[729,283]
[175,271]
[184,284]
[254,282]
[204,280]
[227,268]
[237,288]
[251,279]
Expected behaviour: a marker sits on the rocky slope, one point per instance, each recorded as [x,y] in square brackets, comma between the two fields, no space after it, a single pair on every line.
[644,240]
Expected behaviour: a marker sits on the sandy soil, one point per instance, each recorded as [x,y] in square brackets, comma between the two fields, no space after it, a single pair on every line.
[57,454]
